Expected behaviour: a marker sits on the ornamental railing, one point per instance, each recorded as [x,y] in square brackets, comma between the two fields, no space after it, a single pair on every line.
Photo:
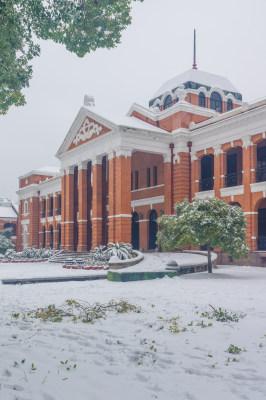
[206,184]
[261,174]
[233,179]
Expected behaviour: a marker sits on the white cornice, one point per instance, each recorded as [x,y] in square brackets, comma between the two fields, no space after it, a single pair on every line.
[49,187]
[180,106]
[28,191]
[239,126]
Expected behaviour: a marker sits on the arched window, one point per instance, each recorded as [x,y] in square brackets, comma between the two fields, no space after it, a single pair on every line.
[26,207]
[229,105]
[216,102]
[202,99]
[168,102]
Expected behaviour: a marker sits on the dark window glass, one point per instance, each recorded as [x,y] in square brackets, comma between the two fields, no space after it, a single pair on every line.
[154,176]
[51,205]
[148,177]
[136,180]
[168,102]
[216,102]
[229,105]
[201,99]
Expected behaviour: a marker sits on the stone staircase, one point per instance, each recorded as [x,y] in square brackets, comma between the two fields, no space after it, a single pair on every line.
[61,256]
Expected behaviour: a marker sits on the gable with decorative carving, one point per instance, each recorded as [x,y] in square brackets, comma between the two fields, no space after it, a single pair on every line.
[89,130]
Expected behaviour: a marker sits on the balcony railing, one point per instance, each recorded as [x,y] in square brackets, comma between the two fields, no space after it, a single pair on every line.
[206,184]
[50,213]
[261,174]
[233,179]
[58,211]
[262,243]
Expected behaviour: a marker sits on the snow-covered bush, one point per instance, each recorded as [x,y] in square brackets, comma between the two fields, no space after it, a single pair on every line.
[30,253]
[100,254]
[5,240]
[121,250]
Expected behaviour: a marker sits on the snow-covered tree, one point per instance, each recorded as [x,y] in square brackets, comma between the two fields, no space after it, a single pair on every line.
[5,240]
[81,25]
[207,222]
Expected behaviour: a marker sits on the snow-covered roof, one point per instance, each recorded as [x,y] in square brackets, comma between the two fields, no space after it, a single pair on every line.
[197,76]
[124,120]
[7,211]
[48,170]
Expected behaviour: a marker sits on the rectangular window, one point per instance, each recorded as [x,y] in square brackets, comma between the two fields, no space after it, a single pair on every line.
[154,176]
[148,177]
[136,180]
[131,180]
[51,206]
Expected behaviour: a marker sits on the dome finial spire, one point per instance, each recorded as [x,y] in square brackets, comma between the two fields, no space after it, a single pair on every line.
[194,65]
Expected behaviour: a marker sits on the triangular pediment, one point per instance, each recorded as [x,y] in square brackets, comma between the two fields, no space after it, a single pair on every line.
[88,125]
[89,130]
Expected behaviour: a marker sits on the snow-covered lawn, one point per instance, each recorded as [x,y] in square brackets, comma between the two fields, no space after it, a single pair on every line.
[40,270]
[135,356]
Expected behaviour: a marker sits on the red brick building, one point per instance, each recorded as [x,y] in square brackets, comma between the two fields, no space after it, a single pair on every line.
[197,138]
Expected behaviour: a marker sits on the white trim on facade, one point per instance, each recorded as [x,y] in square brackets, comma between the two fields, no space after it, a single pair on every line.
[258,187]
[120,216]
[146,188]
[147,202]
[203,195]
[232,191]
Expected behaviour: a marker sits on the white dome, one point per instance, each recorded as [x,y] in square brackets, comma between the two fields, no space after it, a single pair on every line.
[197,76]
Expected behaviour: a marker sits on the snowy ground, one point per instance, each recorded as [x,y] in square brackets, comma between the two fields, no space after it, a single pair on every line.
[116,359]
[151,262]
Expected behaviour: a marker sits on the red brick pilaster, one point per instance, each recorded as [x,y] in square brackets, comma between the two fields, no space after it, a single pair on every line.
[120,197]
[217,171]
[63,210]
[96,202]
[195,175]
[82,198]
[123,199]
[69,210]
[111,183]
[167,189]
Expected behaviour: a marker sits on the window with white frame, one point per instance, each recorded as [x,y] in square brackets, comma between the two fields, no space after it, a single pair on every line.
[25,207]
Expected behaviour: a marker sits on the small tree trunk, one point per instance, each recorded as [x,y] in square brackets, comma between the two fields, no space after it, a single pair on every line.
[209,259]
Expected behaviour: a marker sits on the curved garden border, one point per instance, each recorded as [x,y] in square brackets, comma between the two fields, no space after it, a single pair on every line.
[120,264]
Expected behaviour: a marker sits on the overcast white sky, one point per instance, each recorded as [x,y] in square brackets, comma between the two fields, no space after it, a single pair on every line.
[231,41]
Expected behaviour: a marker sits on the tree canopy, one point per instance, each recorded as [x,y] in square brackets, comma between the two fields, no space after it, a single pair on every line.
[81,25]
[211,222]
